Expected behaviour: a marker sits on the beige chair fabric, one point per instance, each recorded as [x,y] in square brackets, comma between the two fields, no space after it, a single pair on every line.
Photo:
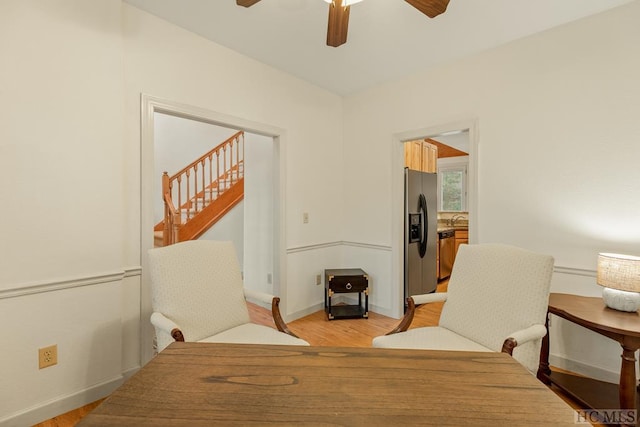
[495,292]
[197,287]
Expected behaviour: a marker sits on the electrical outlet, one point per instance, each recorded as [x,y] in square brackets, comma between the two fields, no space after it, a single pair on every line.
[48,356]
[318,279]
[269,279]
[305,217]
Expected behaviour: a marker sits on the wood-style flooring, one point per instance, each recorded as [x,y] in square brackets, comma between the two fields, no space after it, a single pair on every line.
[318,331]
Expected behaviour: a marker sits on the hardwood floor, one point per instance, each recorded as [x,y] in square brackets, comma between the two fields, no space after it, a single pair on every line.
[315,329]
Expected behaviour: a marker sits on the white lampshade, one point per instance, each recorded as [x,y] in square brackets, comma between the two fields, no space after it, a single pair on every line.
[620,276]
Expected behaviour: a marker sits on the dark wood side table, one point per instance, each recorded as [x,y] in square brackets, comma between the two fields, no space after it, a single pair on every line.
[591,313]
[346,280]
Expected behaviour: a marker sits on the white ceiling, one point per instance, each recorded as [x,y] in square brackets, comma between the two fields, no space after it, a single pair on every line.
[388,39]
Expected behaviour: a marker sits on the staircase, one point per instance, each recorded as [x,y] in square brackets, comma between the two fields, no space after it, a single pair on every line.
[201,193]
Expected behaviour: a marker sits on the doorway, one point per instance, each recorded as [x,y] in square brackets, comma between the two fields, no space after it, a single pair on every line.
[274,259]
[178,142]
[397,195]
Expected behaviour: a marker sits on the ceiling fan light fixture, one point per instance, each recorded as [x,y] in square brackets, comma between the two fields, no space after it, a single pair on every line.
[345,3]
[431,8]
[338,24]
[246,3]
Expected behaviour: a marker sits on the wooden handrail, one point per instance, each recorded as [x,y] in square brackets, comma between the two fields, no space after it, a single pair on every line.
[207,154]
[190,190]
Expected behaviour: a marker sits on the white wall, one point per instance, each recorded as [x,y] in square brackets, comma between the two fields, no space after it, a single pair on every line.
[558,150]
[258,232]
[62,276]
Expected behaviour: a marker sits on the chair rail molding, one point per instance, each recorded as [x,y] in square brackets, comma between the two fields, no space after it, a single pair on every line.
[325,245]
[70,282]
[574,271]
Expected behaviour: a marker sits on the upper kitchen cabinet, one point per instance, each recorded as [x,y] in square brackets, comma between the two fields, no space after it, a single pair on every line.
[421,156]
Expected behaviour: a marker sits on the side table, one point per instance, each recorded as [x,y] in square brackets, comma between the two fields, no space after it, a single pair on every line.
[591,313]
[346,280]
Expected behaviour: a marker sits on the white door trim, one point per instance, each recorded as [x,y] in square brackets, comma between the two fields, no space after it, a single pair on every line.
[150,105]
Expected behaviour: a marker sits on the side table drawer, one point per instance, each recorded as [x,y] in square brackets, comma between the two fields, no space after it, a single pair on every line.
[340,284]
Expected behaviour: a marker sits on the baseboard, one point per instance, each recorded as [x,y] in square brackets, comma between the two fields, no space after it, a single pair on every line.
[128,373]
[584,369]
[383,311]
[307,311]
[63,404]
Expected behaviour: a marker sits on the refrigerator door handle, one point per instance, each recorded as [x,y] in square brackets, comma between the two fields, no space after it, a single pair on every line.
[422,206]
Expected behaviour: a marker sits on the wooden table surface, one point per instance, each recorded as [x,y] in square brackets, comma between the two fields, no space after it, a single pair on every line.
[592,313]
[230,384]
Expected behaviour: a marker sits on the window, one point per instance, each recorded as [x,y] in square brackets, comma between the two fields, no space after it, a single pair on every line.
[452,187]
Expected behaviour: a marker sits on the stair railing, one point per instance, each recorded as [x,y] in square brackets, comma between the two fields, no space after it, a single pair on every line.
[191,189]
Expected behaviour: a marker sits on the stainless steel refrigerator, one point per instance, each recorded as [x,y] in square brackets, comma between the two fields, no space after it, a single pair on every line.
[420,235]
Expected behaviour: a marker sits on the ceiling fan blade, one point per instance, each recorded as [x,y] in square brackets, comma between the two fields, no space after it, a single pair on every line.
[338,23]
[246,3]
[431,8]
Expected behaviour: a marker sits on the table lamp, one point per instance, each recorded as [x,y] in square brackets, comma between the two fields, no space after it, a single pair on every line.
[620,276]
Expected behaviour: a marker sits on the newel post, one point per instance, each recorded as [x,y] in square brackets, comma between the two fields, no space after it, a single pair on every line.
[167,230]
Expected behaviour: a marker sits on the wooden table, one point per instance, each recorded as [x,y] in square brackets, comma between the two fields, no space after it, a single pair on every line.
[232,384]
[623,327]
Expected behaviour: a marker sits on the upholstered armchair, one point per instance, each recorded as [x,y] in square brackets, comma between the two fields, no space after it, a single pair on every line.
[496,300]
[198,295]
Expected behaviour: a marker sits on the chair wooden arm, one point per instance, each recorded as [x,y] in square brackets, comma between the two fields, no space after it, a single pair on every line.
[405,322]
[522,336]
[162,322]
[275,309]
[412,303]
[277,318]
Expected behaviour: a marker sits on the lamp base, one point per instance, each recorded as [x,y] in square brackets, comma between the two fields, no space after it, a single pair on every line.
[621,300]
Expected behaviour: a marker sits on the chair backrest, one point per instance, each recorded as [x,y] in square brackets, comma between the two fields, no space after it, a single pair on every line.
[495,290]
[198,285]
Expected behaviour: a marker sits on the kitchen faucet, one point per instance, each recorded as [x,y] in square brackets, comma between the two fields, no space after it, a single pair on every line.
[453,219]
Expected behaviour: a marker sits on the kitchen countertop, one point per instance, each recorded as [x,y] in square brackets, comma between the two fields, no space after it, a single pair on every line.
[456,227]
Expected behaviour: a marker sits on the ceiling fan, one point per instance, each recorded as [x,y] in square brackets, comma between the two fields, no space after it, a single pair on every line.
[339,15]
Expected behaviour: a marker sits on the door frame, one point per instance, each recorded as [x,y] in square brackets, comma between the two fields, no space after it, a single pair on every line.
[397,196]
[149,105]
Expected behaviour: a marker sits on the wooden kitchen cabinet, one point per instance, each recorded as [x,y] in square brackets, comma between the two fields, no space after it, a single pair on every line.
[461,238]
[421,156]
[429,157]
[413,155]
